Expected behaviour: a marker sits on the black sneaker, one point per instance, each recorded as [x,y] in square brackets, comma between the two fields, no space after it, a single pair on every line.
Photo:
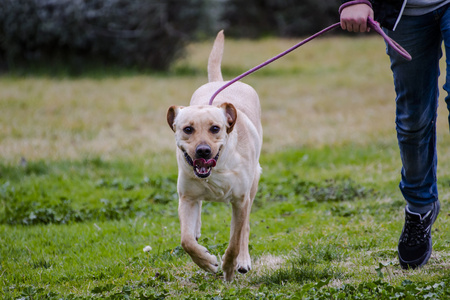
[414,246]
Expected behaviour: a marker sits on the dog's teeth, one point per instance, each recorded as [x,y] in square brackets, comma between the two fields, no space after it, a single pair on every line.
[202,170]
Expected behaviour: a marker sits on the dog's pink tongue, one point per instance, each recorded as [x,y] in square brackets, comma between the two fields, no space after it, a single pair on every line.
[202,163]
[203,166]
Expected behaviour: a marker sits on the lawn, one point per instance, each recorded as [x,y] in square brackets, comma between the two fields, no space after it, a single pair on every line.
[88,179]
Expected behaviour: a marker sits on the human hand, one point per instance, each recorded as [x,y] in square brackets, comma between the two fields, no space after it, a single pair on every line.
[354,17]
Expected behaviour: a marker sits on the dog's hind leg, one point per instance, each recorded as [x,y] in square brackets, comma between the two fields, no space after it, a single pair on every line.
[188,211]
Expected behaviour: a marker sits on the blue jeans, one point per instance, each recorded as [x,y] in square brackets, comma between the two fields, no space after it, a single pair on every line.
[416,86]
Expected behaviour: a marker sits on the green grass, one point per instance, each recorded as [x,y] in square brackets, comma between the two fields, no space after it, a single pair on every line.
[309,227]
[88,179]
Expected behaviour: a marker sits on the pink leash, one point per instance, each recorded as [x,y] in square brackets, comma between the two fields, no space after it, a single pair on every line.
[374,25]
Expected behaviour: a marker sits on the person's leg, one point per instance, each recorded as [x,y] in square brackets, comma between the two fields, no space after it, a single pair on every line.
[445,29]
[416,86]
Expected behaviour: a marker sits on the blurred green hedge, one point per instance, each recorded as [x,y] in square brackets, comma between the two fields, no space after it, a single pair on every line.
[148,34]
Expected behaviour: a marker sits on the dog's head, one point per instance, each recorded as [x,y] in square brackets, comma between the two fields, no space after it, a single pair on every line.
[201,132]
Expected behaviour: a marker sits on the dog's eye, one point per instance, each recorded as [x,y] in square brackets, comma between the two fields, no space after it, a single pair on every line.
[214,129]
[188,129]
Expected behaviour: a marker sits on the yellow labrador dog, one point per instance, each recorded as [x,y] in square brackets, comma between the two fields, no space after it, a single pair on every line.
[218,149]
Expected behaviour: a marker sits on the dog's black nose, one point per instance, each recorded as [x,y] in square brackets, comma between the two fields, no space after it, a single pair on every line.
[203,151]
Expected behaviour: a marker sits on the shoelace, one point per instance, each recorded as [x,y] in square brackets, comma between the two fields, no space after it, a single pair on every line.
[415,232]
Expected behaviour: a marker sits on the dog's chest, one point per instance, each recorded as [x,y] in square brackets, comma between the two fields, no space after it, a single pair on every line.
[220,188]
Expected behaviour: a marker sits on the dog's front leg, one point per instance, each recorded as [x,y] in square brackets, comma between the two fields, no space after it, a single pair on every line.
[244,263]
[189,214]
[238,221]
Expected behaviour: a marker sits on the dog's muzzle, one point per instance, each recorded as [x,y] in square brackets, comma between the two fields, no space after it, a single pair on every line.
[202,167]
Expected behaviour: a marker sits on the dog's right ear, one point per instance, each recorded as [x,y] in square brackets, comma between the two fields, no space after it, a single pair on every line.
[172,114]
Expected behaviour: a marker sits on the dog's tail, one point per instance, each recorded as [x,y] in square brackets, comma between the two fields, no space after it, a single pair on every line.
[215,58]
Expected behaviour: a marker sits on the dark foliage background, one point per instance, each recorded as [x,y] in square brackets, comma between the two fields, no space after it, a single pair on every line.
[148,34]
[286,18]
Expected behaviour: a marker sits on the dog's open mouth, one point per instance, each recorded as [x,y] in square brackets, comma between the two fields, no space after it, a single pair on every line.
[202,167]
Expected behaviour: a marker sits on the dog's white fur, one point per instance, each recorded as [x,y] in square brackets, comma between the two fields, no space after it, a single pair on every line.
[231,129]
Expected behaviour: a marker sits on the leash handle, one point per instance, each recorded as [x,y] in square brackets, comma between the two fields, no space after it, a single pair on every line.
[399,49]
[374,25]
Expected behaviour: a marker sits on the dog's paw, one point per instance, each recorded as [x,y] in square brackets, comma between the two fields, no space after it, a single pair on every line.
[228,276]
[244,263]
[244,268]
[228,268]
[213,264]
[207,262]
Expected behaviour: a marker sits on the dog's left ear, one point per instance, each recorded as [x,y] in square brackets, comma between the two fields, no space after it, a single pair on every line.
[230,114]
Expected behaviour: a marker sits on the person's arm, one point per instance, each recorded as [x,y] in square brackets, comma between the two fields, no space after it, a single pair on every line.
[354,15]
